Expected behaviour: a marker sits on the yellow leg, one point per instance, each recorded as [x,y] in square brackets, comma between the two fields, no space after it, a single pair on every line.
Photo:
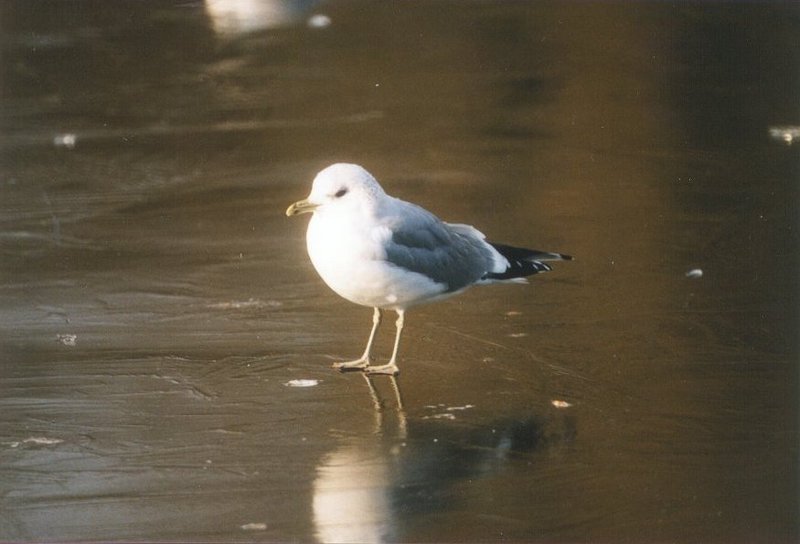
[363,362]
[391,367]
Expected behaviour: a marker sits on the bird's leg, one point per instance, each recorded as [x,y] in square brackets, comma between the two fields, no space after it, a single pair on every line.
[363,362]
[391,367]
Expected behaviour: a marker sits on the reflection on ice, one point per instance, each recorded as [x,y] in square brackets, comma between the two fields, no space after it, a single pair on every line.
[351,491]
[35,441]
[787,134]
[371,488]
[258,526]
[351,500]
[68,140]
[230,17]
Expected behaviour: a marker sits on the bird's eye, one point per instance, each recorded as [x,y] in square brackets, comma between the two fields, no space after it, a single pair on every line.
[340,193]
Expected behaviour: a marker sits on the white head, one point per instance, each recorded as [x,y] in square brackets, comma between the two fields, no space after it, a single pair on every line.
[338,187]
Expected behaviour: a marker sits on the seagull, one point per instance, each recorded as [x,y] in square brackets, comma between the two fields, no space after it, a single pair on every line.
[379,251]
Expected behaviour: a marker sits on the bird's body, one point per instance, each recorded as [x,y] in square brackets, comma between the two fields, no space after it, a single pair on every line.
[376,250]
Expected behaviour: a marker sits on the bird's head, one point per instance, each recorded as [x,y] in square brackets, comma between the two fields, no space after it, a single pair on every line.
[339,187]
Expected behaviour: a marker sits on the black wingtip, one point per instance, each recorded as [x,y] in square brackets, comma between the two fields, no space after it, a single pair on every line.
[524,262]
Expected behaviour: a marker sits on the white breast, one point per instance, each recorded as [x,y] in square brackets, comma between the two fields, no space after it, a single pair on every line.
[349,257]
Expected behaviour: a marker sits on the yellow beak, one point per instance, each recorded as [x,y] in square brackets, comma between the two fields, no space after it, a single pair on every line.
[301,206]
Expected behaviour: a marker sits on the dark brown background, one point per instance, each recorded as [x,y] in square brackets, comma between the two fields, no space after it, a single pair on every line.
[633,136]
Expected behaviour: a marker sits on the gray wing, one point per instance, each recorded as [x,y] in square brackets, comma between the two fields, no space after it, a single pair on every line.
[453,255]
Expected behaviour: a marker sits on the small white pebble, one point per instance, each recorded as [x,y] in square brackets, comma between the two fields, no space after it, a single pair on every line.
[694,273]
[319,21]
[65,140]
[465,407]
[67,339]
[560,403]
[301,383]
[38,441]
[439,416]
[245,304]
[787,134]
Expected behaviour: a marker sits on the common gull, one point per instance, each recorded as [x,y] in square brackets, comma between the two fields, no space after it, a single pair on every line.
[380,251]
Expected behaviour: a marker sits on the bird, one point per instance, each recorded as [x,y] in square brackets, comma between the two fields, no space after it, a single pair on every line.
[379,251]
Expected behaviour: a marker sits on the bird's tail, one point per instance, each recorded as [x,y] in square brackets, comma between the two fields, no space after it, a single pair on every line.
[523,262]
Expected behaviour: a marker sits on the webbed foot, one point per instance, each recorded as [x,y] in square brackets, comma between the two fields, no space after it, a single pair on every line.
[389,370]
[348,366]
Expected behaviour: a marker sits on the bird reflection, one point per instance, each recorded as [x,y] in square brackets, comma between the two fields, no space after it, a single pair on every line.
[351,500]
[372,486]
[352,489]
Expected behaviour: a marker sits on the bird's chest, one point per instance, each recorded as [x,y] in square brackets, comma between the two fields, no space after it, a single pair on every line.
[346,255]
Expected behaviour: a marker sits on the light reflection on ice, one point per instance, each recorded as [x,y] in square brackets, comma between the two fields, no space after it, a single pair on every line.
[36,441]
[351,501]
[787,134]
[231,17]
